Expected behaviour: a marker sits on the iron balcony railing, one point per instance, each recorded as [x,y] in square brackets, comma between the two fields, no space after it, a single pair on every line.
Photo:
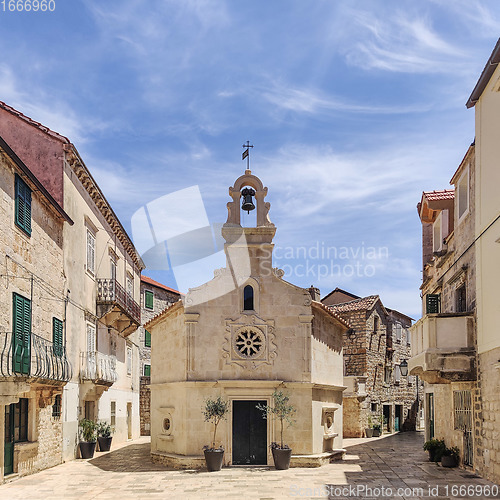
[34,358]
[109,291]
[98,367]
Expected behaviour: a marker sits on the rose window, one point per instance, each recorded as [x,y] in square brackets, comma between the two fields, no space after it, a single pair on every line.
[249,343]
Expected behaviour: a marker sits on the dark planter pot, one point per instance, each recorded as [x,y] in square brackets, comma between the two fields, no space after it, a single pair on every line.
[449,461]
[214,459]
[431,455]
[369,433]
[282,458]
[104,443]
[377,433]
[87,449]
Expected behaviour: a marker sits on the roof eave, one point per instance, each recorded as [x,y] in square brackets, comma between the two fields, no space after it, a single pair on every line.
[487,73]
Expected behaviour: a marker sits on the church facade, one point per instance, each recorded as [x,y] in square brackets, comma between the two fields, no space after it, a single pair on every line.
[242,335]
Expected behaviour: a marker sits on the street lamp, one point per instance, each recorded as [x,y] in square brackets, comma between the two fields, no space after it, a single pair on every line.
[403,366]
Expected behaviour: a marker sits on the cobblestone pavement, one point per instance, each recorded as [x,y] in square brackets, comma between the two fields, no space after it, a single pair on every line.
[394,462]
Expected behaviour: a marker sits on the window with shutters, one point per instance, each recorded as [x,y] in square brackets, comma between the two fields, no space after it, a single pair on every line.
[148,299]
[463,195]
[21,335]
[461,296]
[397,374]
[23,205]
[130,285]
[113,413]
[21,420]
[432,303]
[147,338]
[129,361]
[56,407]
[112,264]
[387,374]
[57,336]
[91,345]
[147,370]
[90,252]
[397,327]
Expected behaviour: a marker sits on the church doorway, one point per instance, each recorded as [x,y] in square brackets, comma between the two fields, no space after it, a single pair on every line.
[249,434]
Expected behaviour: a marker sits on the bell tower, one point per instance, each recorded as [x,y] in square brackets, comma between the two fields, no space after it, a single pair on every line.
[245,244]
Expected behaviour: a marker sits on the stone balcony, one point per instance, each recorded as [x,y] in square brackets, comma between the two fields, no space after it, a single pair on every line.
[116,308]
[98,368]
[443,348]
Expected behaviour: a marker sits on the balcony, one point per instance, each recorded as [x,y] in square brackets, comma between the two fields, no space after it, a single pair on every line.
[98,368]
[37,360]
[443,348]
[116,308]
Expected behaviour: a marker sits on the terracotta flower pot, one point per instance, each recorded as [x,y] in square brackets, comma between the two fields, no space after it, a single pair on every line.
[281,458]
[214,459]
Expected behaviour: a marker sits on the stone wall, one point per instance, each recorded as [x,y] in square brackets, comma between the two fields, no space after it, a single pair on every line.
[145,406]
[487,413]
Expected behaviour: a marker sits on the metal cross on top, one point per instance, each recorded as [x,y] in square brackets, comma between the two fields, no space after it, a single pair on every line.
[246,153]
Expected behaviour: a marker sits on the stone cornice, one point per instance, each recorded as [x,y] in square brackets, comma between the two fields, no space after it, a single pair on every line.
[78,166]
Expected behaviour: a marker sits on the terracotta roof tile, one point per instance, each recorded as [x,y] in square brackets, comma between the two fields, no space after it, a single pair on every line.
[150,281]
[355,305]
[443,194]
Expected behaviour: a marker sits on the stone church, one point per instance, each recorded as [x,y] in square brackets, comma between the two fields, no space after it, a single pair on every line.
[242,335]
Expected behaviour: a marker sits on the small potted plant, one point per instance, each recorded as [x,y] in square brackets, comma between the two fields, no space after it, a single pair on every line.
[283,411]
[214,411]
[435,448]
[88,438]
[104,437]
[450,456]
[369,429]
[377,427]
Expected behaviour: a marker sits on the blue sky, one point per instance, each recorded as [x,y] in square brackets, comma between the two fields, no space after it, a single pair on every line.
[354,107]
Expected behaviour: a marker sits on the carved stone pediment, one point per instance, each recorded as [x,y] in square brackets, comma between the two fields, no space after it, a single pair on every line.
[249,342]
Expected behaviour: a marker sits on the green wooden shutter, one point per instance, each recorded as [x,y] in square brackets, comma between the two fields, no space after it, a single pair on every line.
[432,303]
[21,334]
[149,299]
[147,338]
[57,336]
[147,370]
[23,205]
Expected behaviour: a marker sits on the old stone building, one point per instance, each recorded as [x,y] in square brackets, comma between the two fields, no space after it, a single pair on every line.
[34,367]
[155,297]
[79,283]
[444,339]
[456,346]
[242,335]
[374,347]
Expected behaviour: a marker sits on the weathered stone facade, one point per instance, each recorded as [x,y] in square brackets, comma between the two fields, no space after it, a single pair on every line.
[72,275]
[161,297]
[377,342]
[243,335]
[32,268]
[445,339]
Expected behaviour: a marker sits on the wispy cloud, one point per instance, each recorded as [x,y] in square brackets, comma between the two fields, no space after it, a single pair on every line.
[402,42]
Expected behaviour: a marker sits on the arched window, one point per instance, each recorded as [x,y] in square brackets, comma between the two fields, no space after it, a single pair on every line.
[248,298]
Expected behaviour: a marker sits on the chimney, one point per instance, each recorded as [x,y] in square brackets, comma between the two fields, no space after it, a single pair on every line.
[315,294]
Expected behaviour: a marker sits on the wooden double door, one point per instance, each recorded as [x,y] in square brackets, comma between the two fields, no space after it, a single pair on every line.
[249,433]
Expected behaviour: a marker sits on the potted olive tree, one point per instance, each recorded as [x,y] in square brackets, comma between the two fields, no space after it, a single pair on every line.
[88,438]
[283,411]
[377,426]
[435,448]
[214,411]
[369,429]
[104,437]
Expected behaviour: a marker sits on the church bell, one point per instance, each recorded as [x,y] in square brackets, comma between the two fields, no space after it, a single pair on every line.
[247,203]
